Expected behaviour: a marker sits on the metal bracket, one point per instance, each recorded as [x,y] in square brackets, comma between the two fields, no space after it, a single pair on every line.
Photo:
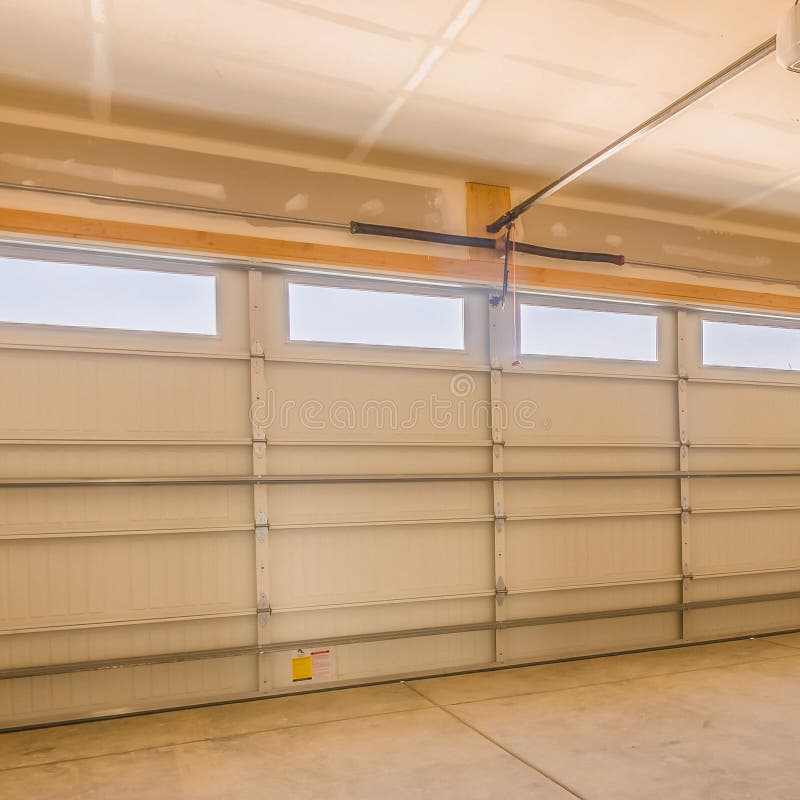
[500,591]
[261,533]
[261,520]
[264,610]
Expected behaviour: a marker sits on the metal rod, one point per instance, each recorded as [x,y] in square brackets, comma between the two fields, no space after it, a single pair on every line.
[648,126]
[135,201]
[409,633]
[482,242]
[258,480]
[506,257]
[632,262]
[389,523]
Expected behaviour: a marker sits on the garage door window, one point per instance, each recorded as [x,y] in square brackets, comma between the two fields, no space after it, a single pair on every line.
[735,344]
[361,316]
[75,295]
[581,333]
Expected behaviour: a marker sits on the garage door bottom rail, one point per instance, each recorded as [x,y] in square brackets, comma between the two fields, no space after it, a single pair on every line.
[409,633]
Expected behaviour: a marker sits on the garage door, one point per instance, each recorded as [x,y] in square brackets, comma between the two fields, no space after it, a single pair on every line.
[219,481]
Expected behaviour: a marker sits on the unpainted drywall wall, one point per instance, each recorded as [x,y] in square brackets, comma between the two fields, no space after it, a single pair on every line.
[37,156]
[148,164]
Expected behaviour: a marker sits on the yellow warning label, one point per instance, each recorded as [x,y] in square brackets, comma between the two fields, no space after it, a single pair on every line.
[301,669]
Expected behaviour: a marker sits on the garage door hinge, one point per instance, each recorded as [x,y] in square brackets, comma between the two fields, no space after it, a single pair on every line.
[500,591]
[261,533]
[264,610]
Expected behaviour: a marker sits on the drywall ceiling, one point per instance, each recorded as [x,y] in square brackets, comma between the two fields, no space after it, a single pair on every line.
[490,89]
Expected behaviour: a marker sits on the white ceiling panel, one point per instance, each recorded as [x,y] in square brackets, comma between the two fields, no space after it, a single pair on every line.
[505,87]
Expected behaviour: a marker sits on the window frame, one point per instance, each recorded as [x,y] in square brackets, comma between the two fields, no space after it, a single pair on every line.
[664,366]
[392,287]
[63,328]
[278,345]
[745,319]
[232,339]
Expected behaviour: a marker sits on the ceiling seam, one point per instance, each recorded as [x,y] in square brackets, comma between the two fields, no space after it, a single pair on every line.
[451,32]
[100,84]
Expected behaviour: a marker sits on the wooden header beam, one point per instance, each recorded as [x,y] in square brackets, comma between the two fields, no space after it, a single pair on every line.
[484,203]
[65,227]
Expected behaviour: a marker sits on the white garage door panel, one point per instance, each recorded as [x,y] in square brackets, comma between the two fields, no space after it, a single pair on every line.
[780,615]
[596,410]
[134,571]
[747,618]
[321,504]
[46,583]
[399,657]
[377,459]
[592,636]
[734,586]
[415,655]
[34,511]
[102,643]
[25,701]
[537,457]
[292,626]
[375,403]
[354,565]
[548,553]
[723,413]
[597,598]
[742,542]
[745,458]
[70,460]
[91,396]
[590,496]
[726,493]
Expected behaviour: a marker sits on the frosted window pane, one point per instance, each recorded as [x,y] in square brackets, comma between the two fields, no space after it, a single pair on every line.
[731,344]
[358,316]
[578,333]
[46,293]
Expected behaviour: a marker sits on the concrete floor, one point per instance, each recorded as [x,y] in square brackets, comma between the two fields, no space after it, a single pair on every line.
[713,722]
